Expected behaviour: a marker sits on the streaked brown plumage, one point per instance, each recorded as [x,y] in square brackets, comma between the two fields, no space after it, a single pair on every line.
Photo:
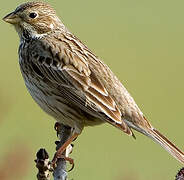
[69,82]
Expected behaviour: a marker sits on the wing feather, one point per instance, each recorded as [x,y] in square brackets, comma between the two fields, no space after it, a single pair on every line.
[79,76]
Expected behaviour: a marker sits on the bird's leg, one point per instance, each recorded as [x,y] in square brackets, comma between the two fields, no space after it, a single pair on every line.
[61,150]
[59,153]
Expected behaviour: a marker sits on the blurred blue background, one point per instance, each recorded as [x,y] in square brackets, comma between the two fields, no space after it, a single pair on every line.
[142,41]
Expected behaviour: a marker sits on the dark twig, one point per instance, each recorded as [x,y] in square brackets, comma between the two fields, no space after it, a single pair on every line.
[64,133]
[180,175]
[43,163]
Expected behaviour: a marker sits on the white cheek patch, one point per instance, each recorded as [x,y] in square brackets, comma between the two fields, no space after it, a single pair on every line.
[51,26]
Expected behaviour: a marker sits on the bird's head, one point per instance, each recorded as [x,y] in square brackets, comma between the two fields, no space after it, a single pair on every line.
[34,19]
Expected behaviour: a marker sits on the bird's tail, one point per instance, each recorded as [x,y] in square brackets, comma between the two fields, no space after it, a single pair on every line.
[155,135]
[166,144]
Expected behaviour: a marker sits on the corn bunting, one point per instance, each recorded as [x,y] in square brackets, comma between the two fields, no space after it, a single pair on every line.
[69,82]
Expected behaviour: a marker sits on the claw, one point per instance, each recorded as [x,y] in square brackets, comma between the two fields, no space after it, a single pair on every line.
[70,160]
[59,153]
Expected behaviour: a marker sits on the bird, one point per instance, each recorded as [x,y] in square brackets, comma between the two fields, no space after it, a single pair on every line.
[70,83]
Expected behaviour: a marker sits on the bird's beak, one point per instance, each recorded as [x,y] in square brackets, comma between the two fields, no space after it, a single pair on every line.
[12,18]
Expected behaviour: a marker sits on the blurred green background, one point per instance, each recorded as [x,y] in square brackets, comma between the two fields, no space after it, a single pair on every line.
[142,41]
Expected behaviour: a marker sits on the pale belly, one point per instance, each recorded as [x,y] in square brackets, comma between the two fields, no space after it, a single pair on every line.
[54,103]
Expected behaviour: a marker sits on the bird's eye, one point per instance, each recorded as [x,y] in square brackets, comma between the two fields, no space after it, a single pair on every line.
[33,15]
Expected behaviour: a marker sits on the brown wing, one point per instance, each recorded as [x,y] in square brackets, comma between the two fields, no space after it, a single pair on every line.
[68,60]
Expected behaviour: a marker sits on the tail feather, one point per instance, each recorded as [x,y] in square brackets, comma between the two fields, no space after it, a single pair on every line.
[166,144]
[155,135]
